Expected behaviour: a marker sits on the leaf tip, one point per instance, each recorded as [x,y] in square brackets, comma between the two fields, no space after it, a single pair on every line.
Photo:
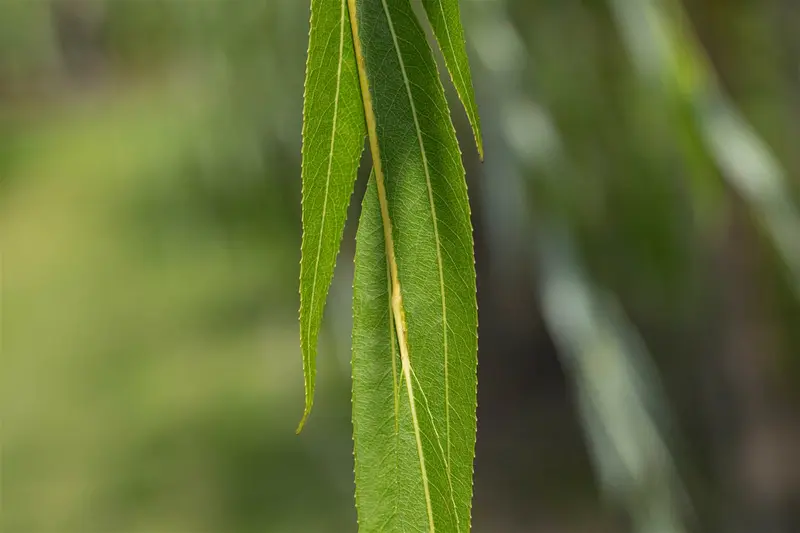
[302,423]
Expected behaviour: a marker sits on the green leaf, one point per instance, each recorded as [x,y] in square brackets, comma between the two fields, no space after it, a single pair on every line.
[445,19]
[415,313]
[333,140]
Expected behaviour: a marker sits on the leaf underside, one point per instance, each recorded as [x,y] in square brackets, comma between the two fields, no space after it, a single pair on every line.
[414,375]
[333,140]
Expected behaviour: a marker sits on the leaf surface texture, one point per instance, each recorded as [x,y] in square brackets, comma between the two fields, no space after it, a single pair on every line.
[415,313]
[333,140]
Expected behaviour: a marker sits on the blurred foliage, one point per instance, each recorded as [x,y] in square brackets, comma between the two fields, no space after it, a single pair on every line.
[149,225]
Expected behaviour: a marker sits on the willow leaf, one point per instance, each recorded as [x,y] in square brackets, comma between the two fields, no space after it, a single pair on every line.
[414,419]
[445,19]
[333,139]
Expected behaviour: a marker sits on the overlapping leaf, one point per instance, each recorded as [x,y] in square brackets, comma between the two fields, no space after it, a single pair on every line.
[414,384]
[445,19]
[333,140]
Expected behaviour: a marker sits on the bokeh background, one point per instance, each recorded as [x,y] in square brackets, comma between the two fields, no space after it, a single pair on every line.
[638,256]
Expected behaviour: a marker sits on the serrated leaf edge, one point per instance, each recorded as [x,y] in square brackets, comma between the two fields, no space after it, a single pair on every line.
[467,94]
[310,353]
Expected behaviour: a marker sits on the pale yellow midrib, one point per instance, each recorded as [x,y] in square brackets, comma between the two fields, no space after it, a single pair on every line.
[396,295]
[395,387]
[439,262]
[327,187]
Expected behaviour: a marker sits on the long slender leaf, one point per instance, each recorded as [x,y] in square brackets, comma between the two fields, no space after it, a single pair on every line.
[414,421]
[445,19]
[333,139]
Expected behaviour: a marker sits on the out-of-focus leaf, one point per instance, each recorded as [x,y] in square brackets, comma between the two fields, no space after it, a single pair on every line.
[659,38]
[622,404]
[413,408]
[445,19]
[333,139]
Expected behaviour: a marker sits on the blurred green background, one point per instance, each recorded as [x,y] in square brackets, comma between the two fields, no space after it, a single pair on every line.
[638,256]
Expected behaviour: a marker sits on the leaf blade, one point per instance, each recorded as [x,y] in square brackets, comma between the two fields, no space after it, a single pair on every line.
[333,139]
[376,355]
[424,212]
[445,20]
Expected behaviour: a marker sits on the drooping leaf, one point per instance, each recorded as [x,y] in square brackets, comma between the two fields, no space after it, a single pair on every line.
[333,140]
[414,407]
[445,19]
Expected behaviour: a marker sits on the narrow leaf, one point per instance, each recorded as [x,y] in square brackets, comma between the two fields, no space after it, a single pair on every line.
[414,385]
[333,139]
[445,19]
